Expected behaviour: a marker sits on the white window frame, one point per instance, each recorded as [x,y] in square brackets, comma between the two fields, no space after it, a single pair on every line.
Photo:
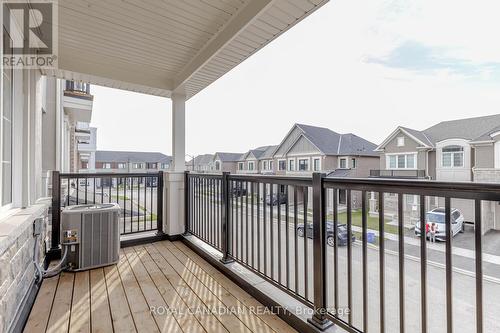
[106,165]
[388,164]
[15,135]
[346,163]
[307,164]
[400,141]
[291,164]
[241,166]
[354,163]
[452,157]
[252,164]
[271,165]
[264,165]
[319,163]
[138,166]
[121,165]
[286,165]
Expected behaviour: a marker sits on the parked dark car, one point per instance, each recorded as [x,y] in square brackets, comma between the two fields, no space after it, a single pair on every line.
[330,236]
[238,191]
[273,201]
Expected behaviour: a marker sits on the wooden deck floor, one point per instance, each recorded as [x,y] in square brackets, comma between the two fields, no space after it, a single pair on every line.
[165,275]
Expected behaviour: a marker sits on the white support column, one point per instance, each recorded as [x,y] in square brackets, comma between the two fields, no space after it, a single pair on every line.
[173,197]
[179,132]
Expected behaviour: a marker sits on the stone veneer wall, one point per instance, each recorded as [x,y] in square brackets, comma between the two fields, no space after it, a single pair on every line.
[17,271]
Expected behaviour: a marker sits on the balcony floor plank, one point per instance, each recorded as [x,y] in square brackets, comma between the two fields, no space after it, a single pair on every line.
[165,275]
[40,312]
[272,320]
[100,311]
[80,314]
[61,308]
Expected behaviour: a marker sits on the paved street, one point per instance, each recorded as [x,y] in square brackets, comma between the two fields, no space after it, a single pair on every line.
[463,279]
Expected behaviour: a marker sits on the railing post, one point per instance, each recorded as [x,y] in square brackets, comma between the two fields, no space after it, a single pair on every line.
[55,250]
[226,194]
[159,205]
[319,254]
[186,203]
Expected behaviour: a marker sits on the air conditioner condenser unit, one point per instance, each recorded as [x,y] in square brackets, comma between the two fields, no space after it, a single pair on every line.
[92,235]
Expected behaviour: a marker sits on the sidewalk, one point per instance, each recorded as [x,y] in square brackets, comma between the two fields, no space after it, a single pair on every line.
[489,258]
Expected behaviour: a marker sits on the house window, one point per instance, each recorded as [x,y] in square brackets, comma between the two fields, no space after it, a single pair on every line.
[401,161]
[343,163]
[250,166]
[121,165]
[453,157]
[85,165]
[165,166]
[316,166]
[281,165]
[264,165]
[271,165]
[240,166]
[353,163]
[6,138]
[106,165]
[217,165]
[303,164]
[151,165]
[401,141]
[291,165]
[138,166]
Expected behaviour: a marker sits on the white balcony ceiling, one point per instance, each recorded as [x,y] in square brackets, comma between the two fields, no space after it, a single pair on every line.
[160,46]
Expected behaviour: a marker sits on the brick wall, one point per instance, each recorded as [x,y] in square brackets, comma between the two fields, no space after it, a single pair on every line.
[17,271]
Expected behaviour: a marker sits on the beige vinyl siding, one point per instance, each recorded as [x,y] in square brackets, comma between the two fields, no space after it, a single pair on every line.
[329,163]
[410,144]
[289,141]
[303,146]
[485,156]
[363,165]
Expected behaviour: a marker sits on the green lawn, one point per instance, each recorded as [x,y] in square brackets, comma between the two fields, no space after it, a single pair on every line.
[372,221]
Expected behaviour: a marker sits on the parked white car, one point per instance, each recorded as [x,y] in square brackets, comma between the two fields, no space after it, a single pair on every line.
[437,216]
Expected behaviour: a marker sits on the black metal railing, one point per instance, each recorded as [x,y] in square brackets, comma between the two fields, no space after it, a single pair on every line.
[205,193]
[398,173]
[140,196]
[360,269]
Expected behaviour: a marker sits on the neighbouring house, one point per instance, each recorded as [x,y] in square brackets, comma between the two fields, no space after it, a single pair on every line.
[226,162]
[307,149]
[456,150]
[252,161]
[70,113]
[267,162]
[108,161]
[201,163]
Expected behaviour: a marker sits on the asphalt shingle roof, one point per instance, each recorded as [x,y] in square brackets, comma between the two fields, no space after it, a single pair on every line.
[333,143]
[476,129]
[229,157]
[469,128]
[131,156]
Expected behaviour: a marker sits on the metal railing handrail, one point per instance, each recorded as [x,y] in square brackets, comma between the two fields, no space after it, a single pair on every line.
[238,199]
[128,188]
[107,174]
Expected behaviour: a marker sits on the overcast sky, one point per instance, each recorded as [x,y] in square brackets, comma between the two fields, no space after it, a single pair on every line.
[355,66]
